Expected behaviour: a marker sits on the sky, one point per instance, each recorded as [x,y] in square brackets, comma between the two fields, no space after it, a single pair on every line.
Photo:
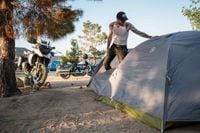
[154,17]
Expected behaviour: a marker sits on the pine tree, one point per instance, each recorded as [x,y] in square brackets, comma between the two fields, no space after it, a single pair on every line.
[193,14]
[31,19]
[92,37]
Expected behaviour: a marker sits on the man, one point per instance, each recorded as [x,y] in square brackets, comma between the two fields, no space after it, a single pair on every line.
[118,33]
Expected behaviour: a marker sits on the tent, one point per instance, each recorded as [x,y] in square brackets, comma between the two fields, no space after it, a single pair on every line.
[158,82]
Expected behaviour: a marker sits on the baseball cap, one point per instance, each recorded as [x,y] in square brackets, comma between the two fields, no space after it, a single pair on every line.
[122,16]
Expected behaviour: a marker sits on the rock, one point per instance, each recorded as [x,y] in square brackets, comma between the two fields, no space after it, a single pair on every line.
[20,83]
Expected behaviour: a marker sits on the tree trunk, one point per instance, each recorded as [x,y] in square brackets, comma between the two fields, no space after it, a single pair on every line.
[8,86]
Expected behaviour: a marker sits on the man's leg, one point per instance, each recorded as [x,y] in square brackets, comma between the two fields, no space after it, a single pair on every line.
[121,53]
[109,57]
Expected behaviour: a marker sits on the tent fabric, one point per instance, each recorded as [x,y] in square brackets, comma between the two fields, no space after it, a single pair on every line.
[159,77]
[183,91]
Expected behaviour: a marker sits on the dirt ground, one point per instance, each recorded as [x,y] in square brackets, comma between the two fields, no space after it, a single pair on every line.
[67,107]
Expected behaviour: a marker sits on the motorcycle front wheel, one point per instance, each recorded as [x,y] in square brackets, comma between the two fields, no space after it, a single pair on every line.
[39,74]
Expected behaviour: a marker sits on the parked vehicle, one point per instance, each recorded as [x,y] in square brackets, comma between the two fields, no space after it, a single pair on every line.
[53,65]
[77,69]
[34,63]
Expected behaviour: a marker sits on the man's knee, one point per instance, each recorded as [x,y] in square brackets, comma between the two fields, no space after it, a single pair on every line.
[122,54]
[121,58]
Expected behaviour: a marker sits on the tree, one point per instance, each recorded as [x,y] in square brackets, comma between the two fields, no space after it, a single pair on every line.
[64,60]
[193,14]
[92,37]
[7,50]
[73,55]
[31,18]
[97,53]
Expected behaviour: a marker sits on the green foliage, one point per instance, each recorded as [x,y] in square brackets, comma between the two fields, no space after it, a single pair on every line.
[73,55]
[92,34]
[64,60]
[193,13]
[96,52]
[49,18]
[91,38]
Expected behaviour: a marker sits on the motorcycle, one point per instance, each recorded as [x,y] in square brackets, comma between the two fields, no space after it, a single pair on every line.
[35,63]
[76,69]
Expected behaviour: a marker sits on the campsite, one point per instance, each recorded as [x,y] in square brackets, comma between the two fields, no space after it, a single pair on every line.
[155,92]
[71,106]
[99,66]
[67,108]
[64,108]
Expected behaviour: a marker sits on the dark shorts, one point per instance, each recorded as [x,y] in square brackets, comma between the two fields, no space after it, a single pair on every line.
[120,51]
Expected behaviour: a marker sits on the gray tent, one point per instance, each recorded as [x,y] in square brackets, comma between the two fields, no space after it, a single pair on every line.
[158,82]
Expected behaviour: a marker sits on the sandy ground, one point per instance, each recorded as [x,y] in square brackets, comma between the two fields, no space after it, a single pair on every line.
[66,107]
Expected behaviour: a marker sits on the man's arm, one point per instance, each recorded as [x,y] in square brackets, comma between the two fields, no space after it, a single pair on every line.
[136,31]
[142,34]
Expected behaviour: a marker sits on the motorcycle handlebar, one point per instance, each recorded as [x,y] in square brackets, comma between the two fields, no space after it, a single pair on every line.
[38,45]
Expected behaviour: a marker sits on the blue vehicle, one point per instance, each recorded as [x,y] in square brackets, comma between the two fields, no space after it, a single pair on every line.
[53,65]
[76,69]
